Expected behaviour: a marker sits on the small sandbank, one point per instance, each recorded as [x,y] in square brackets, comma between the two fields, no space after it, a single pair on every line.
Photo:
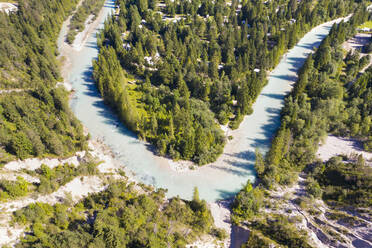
[82,36]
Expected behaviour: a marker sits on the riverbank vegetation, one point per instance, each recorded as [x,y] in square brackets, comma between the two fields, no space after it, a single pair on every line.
[36,120]
[116,217]
[330,96]
[88,8]
[280,229]
[39,123]
[323,101]
[13,189]
[187,63]
[48,180]
[342,183]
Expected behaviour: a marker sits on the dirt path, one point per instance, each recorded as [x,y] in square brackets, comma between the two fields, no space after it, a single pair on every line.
[7,91]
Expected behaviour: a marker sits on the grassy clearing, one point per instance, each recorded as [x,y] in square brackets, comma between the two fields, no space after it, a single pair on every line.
[367,24]
[135,98]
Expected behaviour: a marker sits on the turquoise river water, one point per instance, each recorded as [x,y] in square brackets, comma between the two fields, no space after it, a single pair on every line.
[234,167]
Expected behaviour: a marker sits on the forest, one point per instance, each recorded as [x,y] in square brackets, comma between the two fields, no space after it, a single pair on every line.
[117,217]
[174,73]
[322,102]
[36,119]
[329,97]
[184,68]
[78,19]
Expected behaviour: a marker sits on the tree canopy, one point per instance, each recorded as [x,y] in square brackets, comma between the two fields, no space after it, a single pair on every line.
[37,120]
[187,63]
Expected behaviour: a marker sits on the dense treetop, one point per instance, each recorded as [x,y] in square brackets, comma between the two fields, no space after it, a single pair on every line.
[117,217]
[330,96]
[36,121]
[185,63]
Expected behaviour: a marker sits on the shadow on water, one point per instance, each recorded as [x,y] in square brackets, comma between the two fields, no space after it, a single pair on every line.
[242,163]
[268,130]
[103,110]
[274,96]
[237,172]
[321,36]
[247,158]
[246,155]
[297,62]
[307,46]
[91,45]
[238,236]
[109,4]
[285,77]
[225,194]
[275,111]
[295,70]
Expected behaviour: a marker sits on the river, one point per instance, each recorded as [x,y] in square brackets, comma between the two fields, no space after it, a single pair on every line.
[233,168]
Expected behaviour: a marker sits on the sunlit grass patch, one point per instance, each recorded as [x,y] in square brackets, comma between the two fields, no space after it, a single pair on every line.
[367,24]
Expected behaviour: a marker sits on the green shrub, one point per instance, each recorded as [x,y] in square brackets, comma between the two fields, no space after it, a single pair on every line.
[117,217]
[13,189]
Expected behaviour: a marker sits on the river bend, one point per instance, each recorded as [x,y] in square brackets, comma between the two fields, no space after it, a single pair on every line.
[234,167]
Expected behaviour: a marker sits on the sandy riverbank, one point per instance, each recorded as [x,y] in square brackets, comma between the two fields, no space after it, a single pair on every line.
[82,37]
[35,163]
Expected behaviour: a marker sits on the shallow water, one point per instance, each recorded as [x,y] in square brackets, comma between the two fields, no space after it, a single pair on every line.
[221,179]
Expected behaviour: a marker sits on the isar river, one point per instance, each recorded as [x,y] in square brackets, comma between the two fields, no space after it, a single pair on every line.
[234,167]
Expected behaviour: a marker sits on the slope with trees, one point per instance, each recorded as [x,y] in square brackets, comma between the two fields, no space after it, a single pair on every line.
[36,121]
